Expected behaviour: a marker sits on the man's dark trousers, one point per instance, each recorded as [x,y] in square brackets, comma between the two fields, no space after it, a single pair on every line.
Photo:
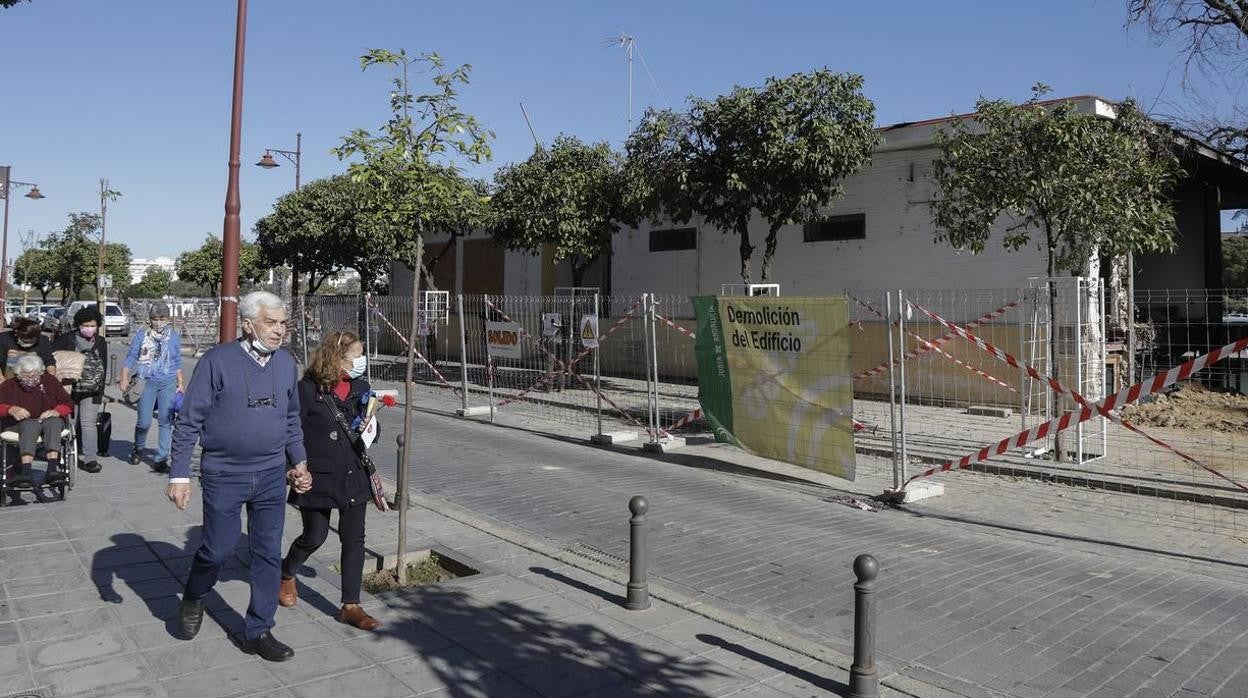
[226,494]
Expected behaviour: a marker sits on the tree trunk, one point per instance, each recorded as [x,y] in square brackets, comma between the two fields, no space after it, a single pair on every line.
[769,252]
[1055,363]
[747,251]
[405,444]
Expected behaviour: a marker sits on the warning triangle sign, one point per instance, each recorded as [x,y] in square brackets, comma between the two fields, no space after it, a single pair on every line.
[589,331]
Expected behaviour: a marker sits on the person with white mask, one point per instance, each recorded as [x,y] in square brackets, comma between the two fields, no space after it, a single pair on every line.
[155,356]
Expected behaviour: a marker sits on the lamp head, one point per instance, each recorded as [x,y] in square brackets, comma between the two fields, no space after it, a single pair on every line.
[34,193]
[267,162]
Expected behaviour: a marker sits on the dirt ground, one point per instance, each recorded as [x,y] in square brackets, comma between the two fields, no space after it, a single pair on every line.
[1193,407]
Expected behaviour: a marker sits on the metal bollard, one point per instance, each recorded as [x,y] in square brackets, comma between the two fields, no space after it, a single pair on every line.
[638,598]
[863,680]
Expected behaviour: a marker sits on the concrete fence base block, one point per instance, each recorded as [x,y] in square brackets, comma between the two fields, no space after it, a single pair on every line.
[985,411]
[613,437]
[914,492]
[667,445]
[477,411]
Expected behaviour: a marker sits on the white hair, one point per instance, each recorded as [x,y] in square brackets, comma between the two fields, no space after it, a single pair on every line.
[28,363]
[249,307]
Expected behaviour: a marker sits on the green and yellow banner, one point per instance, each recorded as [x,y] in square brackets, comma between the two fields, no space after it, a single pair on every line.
[774,377]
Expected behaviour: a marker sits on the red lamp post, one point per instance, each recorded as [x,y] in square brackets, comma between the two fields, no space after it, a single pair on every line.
[7,186]
[232,235]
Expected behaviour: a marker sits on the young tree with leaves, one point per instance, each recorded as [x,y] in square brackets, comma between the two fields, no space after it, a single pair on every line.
[155,283]
[36,269]
[403,170]
[569,196]
[1072,184]
[202,266]
[783,150]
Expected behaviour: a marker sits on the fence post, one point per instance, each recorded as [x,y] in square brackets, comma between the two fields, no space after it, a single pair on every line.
[864,682]
[645,344]
[638,597]
[892,388]
[463,350]
[368,335]
[653,329]
[902,309]
[597,365]
[489,358]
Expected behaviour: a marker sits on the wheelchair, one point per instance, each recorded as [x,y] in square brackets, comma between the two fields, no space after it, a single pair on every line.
[10,458]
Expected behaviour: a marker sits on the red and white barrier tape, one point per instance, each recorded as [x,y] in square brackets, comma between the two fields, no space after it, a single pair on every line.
[1105,407]
[564,367]
[575,360]
[413,349]
[678,328]
[931,346]
[943,339]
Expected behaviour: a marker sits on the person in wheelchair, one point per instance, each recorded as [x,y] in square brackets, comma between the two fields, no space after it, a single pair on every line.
[34,404]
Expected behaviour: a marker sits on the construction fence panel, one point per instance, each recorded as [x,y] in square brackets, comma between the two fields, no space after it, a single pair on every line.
[675,329]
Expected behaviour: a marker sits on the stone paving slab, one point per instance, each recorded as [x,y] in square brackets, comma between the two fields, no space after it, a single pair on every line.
[87,611]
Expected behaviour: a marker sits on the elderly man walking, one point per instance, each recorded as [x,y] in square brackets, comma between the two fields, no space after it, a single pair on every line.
[242,407]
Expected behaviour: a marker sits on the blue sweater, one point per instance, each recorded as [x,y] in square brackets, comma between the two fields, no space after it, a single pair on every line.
[162,359]
[244,416]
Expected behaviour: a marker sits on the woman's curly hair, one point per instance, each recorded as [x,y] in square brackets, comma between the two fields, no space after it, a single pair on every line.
[325,364]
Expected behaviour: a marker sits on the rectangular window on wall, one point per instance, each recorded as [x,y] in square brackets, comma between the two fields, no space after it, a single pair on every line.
[849,227]
[672,239]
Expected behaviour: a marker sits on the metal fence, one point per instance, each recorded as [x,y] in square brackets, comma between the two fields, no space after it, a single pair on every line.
[981,382]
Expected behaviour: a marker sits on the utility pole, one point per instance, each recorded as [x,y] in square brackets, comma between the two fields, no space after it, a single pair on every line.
[106,195]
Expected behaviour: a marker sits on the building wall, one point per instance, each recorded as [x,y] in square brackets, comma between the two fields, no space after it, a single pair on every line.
[1185,268]
[899,249]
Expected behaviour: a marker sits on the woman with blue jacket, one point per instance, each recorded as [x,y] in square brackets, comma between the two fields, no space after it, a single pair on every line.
[155,356]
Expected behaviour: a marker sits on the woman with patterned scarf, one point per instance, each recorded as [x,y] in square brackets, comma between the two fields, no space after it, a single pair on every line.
[155,356]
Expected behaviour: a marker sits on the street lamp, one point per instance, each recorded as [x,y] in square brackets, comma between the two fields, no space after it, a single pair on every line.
[294,156]
[7,186]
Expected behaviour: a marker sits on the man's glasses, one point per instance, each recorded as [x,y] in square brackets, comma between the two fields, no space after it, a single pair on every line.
[268,401]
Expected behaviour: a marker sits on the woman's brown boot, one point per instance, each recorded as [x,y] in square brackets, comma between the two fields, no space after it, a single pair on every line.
[288,594]
[354,615]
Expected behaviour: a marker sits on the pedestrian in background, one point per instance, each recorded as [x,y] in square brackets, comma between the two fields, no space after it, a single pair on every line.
[25,337]
[332,397]
[88,391]
[155,356]
[242,408]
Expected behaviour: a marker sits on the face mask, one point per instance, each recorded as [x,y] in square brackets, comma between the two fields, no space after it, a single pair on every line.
[261,348]
[87,332]
[358,365]
[159,327]
[29,382]
[24,345]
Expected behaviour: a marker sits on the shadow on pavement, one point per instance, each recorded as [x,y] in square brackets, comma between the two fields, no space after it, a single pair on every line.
[549,655]
[813,679]
[578,584]
[159,582]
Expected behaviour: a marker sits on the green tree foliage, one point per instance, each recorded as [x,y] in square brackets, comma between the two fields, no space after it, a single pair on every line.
[1235,262]
[1073,184]
[202,266]
[782,150]
[408,171]
[9,3]
[36,268]
[155,283]
[74,256]
[316,230]
[569,196]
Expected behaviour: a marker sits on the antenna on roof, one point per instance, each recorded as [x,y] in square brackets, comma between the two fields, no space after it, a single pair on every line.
[626,41]
[530,124]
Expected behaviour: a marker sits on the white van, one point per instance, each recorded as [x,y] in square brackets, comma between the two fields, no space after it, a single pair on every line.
[115,319]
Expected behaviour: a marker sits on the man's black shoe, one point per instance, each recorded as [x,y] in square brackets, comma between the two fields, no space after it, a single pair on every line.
[135,457]
[91,466]
[268,647]
[161,466]
[190,617]
[54,478]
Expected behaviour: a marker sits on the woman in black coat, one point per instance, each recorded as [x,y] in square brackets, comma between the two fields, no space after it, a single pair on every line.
[88,392]
[333,381]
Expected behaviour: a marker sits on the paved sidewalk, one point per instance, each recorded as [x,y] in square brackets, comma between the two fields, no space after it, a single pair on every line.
[90,585]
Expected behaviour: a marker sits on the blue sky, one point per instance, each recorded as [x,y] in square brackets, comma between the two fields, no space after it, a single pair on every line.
[138,91]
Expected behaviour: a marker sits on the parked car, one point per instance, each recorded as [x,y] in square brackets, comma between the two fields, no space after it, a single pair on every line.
[115,319]
[52,320]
